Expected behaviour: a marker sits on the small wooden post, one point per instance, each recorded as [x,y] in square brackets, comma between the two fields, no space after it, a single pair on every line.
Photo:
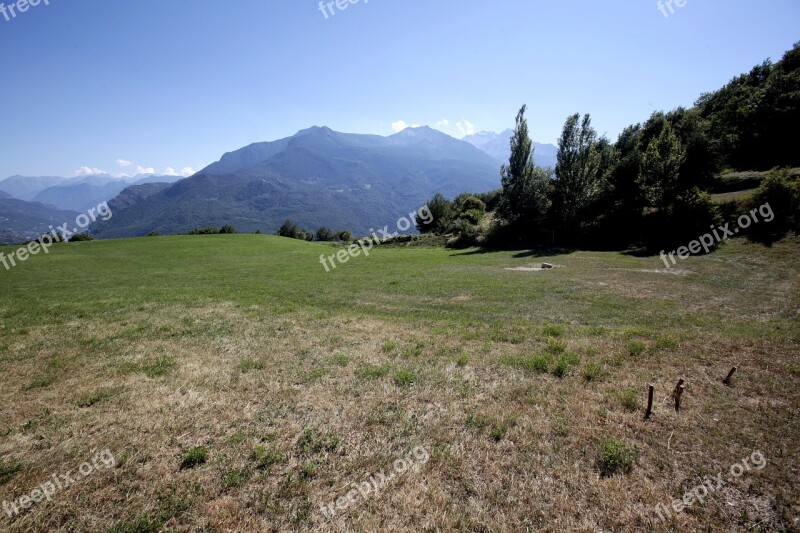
[727,380]
[650,390]
[677,387]
[678,394]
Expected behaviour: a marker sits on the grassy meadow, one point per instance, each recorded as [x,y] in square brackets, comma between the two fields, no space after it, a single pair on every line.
[240,387]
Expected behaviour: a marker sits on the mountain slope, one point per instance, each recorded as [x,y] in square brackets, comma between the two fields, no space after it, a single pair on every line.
[25,188]
[317,177]
[497,145]
[80,197]
[19,218]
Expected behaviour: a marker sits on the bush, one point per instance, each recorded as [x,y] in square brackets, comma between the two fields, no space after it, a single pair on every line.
[345,236]
[208,230]
[782,194]
[293,231]
[227,229]
[324,235]
[615,456]
[153,234]
[81,237]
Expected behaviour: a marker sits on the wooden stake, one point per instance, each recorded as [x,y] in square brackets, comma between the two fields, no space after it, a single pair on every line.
[677,387]
[727,380]
[678,394]
[649,411]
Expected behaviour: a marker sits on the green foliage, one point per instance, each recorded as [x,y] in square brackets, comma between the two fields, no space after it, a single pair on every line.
[293,231]
[579,173]
[311,442]
[629,399]
[441,210]
[592,372]
[636,348]
[615,457]
[374,372]
[194,457]
[782,195]
[404,378]
[525,198]
[660,168]
[209,230]
[81,237]
[324,234]
[537,364]
[499,430]
[266,458]
[345,236]
[227,229]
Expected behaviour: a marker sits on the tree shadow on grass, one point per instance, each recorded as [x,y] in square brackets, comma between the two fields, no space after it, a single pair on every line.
[535,251]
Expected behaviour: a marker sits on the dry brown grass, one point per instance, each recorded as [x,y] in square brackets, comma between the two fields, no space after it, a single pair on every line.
[510,449]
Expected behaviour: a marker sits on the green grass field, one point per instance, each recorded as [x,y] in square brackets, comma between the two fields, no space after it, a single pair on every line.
[240,387]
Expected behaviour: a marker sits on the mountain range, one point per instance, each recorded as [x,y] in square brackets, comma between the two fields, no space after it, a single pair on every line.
[317,177]
[498,146]
[76,194]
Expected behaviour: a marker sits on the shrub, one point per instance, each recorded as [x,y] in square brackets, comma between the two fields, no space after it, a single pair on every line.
[194,457]
[783,196]
[227,229]
[324,234]
[81,237]
[615,456]
[208,230]
[153,234]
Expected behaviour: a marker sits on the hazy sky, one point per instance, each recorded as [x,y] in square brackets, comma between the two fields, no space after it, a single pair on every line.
[155,83]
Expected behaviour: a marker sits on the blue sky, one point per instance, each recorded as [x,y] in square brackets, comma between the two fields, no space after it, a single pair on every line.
[95,83]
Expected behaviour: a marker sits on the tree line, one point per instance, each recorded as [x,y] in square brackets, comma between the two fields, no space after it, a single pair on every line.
[651,187]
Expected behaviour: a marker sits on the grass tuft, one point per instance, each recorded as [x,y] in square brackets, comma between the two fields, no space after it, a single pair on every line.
[194,457]
[615,457]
